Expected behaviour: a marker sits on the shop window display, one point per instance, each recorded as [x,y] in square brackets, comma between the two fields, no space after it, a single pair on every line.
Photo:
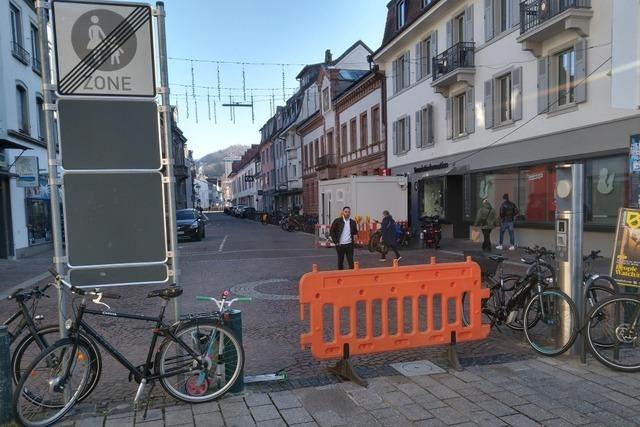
[605,189]
[536,193]
[432,198]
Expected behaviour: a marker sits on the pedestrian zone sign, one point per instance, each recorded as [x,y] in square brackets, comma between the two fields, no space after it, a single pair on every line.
[103,49]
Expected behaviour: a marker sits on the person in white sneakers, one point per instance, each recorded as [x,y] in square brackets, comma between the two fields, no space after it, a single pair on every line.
[508,213]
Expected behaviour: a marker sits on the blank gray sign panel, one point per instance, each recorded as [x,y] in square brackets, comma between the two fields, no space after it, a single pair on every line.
[114,218]
[119,276]
[108,134]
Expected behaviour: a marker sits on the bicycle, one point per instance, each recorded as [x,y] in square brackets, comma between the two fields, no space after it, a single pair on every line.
[202,354]
[264,218]
[38,337]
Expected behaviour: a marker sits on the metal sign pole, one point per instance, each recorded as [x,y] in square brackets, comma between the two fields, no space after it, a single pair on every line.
[165,111]
[48,107]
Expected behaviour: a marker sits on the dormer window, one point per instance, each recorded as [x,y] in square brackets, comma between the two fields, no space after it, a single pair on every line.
[401,14]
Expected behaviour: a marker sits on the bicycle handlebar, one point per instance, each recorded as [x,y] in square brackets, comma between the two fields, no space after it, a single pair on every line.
[221,303]
[593,255]
[96,292]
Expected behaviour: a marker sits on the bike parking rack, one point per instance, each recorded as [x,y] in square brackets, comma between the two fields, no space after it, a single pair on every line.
[364,311]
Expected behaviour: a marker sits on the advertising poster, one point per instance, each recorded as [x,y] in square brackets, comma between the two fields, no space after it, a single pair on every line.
[634,171]
[27,171]
[625,264]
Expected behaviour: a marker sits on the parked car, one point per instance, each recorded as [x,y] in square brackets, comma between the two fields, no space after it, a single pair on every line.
[238,210]
[248,212]
[190,224]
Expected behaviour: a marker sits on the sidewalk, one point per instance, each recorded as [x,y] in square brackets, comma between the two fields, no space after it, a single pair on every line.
[541,391]
[25,271]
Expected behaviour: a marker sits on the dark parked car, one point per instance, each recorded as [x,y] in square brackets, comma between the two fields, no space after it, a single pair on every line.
[248,212]
[190,224]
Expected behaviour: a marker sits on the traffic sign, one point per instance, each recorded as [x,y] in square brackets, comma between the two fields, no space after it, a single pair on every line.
[103,49]
[118,276]
[109,134]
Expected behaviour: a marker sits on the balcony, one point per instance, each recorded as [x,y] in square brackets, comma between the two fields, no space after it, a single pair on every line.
[542,19]
[20,53]
[456,64]
[326,167]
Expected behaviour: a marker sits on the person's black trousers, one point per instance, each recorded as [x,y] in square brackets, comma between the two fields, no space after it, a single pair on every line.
[394,248]
[486,244]
[342,251]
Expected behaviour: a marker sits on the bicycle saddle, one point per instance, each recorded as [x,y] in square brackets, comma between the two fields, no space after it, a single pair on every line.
[528,261]
[497,258]
[167,293]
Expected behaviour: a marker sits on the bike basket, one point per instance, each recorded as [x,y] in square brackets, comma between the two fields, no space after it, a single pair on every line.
[488,266]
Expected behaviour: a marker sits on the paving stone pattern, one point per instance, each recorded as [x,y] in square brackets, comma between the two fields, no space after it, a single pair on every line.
[531,392]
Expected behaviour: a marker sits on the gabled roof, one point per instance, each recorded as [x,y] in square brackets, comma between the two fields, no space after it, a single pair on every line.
[347,78]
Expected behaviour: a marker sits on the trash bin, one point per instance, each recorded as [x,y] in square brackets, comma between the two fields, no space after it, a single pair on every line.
[235,324]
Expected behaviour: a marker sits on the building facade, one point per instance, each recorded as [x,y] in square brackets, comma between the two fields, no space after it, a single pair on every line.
[487,97]
[25,219]
[244,186]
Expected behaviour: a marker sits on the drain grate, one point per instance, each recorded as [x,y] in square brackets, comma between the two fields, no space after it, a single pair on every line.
[418,367]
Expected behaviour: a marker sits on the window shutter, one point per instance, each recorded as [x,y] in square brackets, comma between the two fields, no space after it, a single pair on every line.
[515,12]
[394,137]
[516,94]
[395,76]
[488,20]
[580,48]
[407,71]
[418,61]
[543,85]
[419,141]
[429,125]
[407,133]
[468,24]
[470,112]
[434,47]
[488,104]
[448,118]
[449,34]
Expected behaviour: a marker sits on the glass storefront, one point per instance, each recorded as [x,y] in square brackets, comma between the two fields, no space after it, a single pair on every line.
[431,198]
[38,212]
[532,189]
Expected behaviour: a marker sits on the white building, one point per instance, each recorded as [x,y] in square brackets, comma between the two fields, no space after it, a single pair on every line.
[25,220]
[201,190]
[244,187]
[480,104]
[226,182]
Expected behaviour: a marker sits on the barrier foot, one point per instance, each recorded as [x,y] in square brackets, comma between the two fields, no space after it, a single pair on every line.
[345,370]
[452,354]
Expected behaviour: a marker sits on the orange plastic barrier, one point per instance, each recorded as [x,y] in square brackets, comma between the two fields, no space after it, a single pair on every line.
[372,310]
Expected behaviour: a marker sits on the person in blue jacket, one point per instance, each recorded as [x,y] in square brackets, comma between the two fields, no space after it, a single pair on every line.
[389,236]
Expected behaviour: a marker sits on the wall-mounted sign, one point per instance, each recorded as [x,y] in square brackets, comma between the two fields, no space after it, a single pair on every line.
[625,264]
[27,171]
[430,167]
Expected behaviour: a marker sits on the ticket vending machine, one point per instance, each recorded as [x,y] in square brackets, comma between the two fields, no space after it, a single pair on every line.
[569,196]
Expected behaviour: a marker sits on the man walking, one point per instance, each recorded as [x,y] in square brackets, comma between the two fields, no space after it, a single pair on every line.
[342,231]
[508,214]
[389,236]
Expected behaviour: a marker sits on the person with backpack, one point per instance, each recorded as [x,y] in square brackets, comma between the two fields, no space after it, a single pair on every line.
[389,236]
[508,213]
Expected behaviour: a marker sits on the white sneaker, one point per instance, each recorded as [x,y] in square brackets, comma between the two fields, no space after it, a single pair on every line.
[382,259]
[512,248]
[399,258]
[499,247]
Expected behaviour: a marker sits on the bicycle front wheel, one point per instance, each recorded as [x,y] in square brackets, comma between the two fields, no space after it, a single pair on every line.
[220,351]
[595,295]
[551,322]
[52,383]
[616,320]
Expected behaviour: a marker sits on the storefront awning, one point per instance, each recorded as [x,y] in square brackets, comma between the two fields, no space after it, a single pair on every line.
[5,143]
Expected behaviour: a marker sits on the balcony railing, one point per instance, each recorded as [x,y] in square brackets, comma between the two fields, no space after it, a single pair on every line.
[536,12]
[326,161]
[20,53]
[460,55]
[35,64]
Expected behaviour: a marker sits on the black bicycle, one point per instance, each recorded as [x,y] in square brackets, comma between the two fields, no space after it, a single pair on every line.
[198,360]
[38,337]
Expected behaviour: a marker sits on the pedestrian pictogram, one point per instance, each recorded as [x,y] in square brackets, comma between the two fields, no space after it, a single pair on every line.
[103,49]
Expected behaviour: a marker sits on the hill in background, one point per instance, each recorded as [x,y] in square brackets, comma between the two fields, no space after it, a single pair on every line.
[213,163]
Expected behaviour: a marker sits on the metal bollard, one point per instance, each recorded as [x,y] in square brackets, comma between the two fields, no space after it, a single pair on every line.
[235,324]
[6,415]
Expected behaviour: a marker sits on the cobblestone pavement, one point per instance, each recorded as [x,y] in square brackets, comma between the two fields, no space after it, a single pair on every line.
[266,262]
[537,391]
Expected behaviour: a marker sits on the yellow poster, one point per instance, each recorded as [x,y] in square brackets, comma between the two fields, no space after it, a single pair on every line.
[625,264]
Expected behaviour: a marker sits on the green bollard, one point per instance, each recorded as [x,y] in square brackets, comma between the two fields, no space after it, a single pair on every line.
[6,414]
[235,324]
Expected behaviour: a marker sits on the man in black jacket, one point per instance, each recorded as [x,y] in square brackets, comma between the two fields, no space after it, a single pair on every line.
[389,236]
[508,214]
[342,231]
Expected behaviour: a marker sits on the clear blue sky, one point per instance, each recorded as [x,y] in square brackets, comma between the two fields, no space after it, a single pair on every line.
[275,31]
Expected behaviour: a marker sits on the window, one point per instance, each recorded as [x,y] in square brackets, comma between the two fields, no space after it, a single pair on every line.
[41,122]
[458,29]
[325,99]
[401,73]
[401,14]
[16,25]
[459,115]
[343,139]
[566,74]
[23,109]
[424,126]
[363,130]
[503,13]
[431,198]
[504,95]
[330,148]
[375,125]
[424,59]
[401,135]
[536,187]
[605,189]
[35,52]
[500,16]
[426,3]
[353,132]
